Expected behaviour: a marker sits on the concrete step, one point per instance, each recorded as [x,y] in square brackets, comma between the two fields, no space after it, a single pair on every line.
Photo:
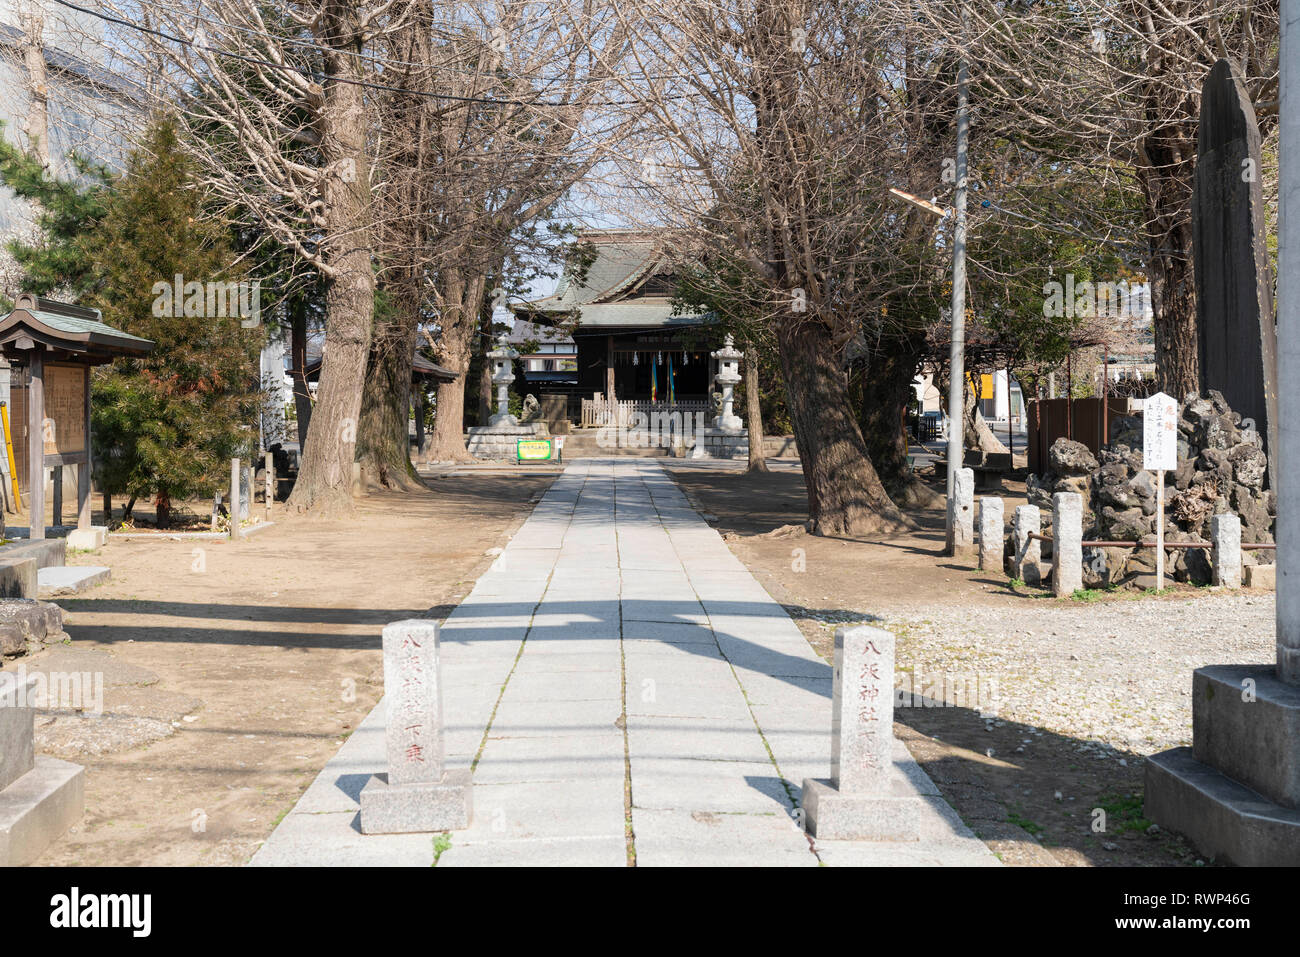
[60,580]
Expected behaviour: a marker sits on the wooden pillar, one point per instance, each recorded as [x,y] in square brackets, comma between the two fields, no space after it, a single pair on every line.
[609,368]
[269,470]
[418,387]
[85,469]
[56,484]
[36,444]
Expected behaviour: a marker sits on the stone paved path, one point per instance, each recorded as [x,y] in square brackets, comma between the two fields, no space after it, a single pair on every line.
[618,656]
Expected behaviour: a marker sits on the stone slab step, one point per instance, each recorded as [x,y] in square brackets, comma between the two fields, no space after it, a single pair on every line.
[65,580]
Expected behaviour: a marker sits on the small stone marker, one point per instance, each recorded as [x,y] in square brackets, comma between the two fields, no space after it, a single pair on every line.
[1067,543]
[233,507]
[961,513]
[40,796]
[858,803]
[1225,535]
[991,534]
[419,793]
[1029,551]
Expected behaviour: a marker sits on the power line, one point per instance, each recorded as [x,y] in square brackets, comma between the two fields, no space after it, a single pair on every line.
[321,77]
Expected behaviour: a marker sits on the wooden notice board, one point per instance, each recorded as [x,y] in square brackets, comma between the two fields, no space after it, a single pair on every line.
[65,409]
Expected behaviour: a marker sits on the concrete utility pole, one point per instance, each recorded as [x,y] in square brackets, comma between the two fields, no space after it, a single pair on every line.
[1288,352]
[957,350]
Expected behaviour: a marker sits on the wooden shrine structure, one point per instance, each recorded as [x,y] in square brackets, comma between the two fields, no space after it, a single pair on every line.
[54,345]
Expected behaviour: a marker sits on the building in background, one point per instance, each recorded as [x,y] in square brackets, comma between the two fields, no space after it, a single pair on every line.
[628,345]
[59,96]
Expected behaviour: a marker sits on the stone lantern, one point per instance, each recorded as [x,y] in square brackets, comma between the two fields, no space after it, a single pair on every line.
[728,376]
[503,373]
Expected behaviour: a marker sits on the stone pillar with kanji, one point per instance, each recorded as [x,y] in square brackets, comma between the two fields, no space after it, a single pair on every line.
[865,798]
[419,793]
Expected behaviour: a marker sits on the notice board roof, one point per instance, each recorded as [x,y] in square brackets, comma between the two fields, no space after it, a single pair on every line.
[66,328]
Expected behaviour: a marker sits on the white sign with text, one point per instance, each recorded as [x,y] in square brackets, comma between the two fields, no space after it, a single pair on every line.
[1160,433]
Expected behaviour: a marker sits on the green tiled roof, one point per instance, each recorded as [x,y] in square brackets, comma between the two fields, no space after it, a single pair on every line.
[607,298]
[74,326]
[64,325]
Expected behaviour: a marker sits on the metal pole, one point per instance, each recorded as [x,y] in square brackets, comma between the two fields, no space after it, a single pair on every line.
[1105,396]
[957,352]
[1011,442]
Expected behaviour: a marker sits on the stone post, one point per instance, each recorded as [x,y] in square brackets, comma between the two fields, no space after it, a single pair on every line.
[40,797]
[991,534]
[233,505]
[269,475]
[246,493]
[1067,543]
[728,377]
[1225,534]
[855,804]
[418,793]
[961,513]
[1028,550]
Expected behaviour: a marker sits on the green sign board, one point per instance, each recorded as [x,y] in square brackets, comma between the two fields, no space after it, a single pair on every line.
[535,450]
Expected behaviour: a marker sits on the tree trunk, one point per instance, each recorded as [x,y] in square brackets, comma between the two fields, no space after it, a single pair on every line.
[976,433]
[754,411]
[845,497]
[325,478]
[485,371]
[383,439]
[301,391]
[460,330]
[1178,368]
[884,390]
[1167,177]
[37,125]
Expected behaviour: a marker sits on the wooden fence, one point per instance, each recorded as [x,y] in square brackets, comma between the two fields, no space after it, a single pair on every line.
[599,412]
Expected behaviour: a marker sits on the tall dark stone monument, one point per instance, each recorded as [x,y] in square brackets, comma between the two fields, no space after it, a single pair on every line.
[1234,289]
[1235,793]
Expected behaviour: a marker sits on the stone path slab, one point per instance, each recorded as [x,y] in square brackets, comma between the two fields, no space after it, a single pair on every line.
[624,690]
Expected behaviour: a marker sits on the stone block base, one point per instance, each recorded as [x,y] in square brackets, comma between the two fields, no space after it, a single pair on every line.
[498,443]
[70,579]
[88,539]
[832,816]
[1223,819]
[38,808]
[415,808]
[1246,724]
[18,577]
[1261,576]
[721,444]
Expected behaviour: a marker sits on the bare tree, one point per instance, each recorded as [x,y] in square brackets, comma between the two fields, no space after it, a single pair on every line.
[275,102]
[1111,89]
[774,129]
[526,81]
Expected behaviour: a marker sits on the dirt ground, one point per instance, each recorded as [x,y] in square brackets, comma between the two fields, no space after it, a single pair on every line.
[1048,788]
[233,672]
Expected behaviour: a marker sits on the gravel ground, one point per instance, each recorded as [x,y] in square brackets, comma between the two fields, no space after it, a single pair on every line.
[1116,675]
